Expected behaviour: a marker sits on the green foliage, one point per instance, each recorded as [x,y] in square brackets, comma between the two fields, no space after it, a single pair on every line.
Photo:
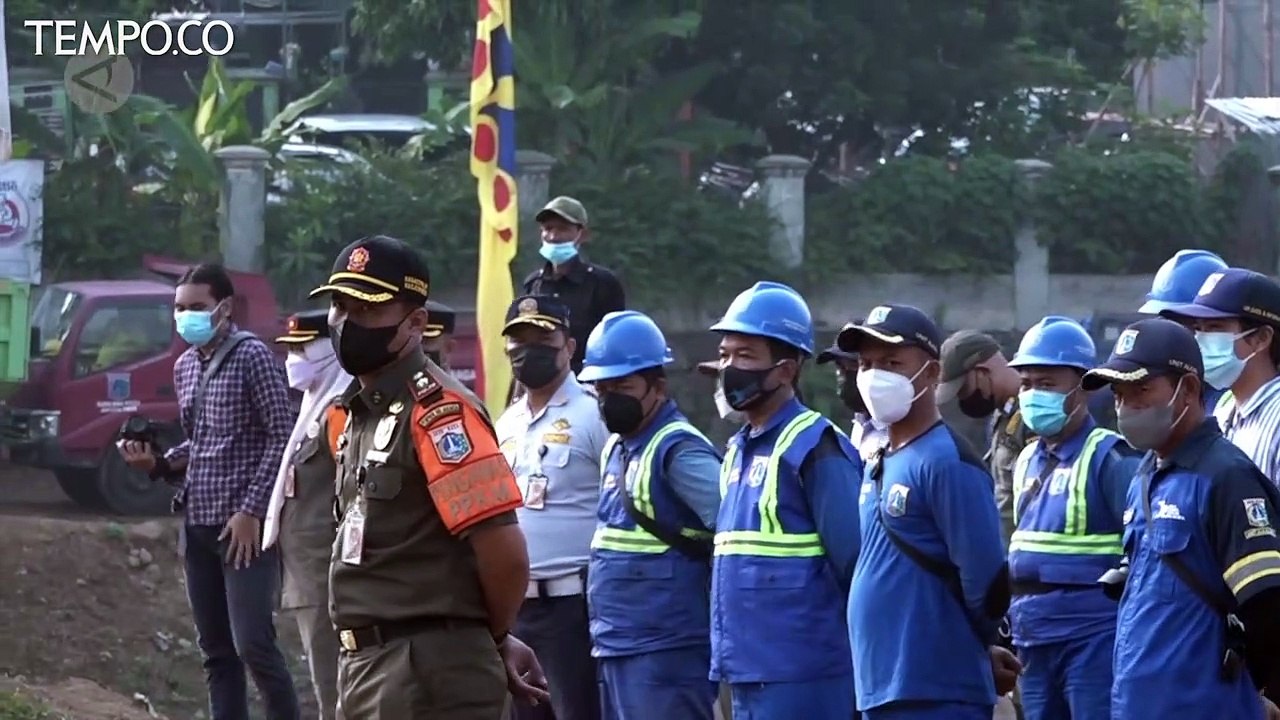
[918,214]
[665,238]
[432,206]
[669,240]
[1161,28]
[1122,212]
[14,706]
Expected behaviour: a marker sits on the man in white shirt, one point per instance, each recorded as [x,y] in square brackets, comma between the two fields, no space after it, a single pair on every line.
[553,437]
[1236,317]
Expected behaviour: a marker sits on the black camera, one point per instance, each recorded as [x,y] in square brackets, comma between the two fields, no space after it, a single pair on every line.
[1113,580]
[139,428]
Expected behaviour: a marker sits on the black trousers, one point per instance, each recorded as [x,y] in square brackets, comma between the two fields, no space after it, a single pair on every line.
[556,629]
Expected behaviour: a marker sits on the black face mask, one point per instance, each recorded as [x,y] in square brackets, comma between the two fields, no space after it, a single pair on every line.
[362,350]
[744,389]
[847,387]
[622,413]
[976,405]
[536,366]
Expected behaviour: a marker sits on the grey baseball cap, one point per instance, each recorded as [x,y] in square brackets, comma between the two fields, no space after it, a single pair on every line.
[567,208]
[962,352]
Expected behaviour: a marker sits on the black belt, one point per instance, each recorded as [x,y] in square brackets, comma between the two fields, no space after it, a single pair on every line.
[1035,587]
[356,639]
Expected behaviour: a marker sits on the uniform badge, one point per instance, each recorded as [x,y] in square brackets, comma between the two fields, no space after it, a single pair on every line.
[1255,511]
[896,504]
[396,407]
[610,481]
[451,441]
[358,260]
[759,467]
[382,435]
[424,386]
[734,476]
[439,411]
[313,430]
[1058,484]
[527,306]
[561,425]
[877,315]
[1210,283]
[633,470]
[1126,340]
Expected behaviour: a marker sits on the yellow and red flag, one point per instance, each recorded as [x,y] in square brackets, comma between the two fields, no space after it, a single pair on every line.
[493,163]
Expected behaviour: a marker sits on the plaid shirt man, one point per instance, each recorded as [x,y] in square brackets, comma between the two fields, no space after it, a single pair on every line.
[234,448]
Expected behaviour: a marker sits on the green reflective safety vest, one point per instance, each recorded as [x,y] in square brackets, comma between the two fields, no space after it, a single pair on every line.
[1072,516]
[617,531]
[761,533]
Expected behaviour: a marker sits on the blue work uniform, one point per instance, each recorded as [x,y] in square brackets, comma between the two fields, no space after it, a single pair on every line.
[917,651]
[648,602]
[785,546]
[1069,504]
[1209,509]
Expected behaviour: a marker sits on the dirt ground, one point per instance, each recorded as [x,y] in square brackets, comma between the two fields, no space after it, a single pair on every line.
[91,600]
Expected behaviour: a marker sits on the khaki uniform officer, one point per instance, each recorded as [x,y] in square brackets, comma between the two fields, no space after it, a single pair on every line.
[429,567]
[300,514]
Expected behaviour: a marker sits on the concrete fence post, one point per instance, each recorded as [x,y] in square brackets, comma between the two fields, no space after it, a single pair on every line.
[1031,269]
[242,206]
[784,197]
[534,187]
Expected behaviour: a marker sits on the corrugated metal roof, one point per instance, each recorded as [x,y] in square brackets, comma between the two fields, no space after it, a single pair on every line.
[1261,115]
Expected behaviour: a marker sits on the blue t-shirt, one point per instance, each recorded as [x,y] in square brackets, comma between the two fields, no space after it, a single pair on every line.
[911,639]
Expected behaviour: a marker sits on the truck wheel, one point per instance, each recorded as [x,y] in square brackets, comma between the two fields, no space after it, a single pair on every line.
[81,485]
[126,491]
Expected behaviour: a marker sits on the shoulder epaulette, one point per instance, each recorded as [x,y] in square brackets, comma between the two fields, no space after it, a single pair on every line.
[426,389]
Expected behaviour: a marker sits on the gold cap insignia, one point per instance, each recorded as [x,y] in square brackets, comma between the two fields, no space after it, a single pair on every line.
[358,260]
[528,306]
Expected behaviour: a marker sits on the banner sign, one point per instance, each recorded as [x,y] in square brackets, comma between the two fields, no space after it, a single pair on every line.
[21,220]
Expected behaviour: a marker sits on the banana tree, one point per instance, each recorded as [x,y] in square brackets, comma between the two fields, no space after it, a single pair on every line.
[602,101]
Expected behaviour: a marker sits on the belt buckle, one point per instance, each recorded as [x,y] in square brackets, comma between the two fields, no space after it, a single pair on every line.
[348,640]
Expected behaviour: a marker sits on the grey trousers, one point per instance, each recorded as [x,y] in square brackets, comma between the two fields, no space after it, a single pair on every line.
[320,642]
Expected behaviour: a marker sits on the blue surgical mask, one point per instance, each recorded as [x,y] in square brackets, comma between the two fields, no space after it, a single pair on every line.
[559,253]
[1221,365]
[1043,411]
[195,326]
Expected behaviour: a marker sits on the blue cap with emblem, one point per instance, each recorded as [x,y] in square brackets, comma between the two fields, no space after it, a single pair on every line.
[1233,293]
[542,311]
[1146,349]
[895,325]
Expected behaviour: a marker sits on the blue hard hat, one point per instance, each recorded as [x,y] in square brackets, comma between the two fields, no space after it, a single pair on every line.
[771,310]
[1056,341]
[1179,279]
[623,343]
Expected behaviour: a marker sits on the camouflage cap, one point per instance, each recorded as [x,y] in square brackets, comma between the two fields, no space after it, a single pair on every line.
[567,208]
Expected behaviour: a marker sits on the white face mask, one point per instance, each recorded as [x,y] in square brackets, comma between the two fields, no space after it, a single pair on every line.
[726,410]
[303,368]
[889,395]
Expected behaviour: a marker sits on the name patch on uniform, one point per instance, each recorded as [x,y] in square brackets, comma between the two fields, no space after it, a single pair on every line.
[439,411]
[558,438]
[896,503]
[1167,511]
[453,445]
[759,466]
[1058,484]
[1255,511]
